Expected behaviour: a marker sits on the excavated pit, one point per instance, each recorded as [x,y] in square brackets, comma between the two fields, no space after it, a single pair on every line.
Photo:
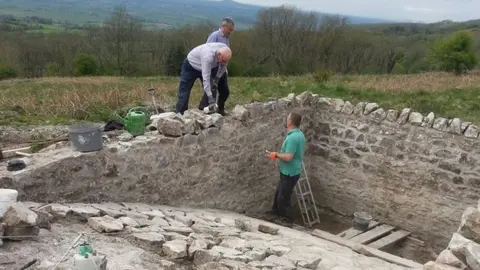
[412,172]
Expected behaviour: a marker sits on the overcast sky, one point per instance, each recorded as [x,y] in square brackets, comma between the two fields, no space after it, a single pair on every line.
[409,10]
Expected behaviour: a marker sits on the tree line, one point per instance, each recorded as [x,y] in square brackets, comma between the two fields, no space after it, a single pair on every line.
[284,41]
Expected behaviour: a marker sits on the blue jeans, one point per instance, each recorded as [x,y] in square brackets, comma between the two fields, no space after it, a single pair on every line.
[188,76]
[223,92]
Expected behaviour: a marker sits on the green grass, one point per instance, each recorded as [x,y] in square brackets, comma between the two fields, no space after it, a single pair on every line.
[61,100]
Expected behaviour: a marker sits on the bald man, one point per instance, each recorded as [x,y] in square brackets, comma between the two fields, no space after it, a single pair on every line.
[208,63]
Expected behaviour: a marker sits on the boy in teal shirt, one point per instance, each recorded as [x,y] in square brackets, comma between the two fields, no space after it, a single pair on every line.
[290,161]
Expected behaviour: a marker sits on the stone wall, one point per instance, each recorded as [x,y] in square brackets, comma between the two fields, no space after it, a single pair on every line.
[224,166]
[416,172]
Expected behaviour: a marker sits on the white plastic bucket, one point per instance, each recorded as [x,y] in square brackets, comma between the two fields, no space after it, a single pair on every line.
[7,198]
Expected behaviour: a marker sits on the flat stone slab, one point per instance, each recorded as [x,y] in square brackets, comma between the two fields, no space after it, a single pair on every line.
[105,224]
[212,242]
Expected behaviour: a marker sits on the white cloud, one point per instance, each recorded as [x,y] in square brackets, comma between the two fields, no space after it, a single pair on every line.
[410,10]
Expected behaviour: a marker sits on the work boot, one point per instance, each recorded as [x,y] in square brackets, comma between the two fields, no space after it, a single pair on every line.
[223,113]
[284,221]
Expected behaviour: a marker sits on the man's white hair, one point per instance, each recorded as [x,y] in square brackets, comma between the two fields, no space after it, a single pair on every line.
[228,20]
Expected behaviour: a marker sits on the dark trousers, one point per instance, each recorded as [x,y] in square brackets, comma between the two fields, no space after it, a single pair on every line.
[223,92]
[281,203]
[188,76]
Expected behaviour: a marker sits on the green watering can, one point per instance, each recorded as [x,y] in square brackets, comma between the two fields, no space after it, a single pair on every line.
[135,121]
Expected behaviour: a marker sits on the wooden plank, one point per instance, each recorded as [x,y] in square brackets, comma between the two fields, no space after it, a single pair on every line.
[23,154]
[365,250]
[333,238]
[352,232]
[373,234]
[389,239]
[15,150]
[373,252]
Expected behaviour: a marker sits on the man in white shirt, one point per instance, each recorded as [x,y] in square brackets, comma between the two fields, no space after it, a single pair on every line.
[208,63]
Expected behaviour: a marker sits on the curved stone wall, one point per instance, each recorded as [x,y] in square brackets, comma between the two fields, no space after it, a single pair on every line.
[416,172]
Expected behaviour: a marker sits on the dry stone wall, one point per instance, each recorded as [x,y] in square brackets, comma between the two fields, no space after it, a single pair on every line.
[417,172]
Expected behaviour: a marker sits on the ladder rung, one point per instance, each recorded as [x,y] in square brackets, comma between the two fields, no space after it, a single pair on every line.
[304,194]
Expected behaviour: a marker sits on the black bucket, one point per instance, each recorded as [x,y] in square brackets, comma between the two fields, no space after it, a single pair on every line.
[361,220]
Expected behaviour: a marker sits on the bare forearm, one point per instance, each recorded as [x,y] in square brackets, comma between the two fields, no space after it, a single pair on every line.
[285,157]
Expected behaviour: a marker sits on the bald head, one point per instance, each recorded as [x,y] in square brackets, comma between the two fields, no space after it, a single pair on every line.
[224,54]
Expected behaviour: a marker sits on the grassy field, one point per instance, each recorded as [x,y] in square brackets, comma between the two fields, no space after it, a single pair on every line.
[59,100]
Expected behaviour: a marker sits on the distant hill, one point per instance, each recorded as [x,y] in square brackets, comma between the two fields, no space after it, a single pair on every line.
[408,29]
[162,13]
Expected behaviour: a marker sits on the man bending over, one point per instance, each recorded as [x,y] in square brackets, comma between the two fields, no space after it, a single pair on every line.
[207,62]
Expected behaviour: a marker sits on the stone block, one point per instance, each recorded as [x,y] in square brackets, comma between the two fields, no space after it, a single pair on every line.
[19,215]
[457,245]
[472,255]
[278,250]
[337,104]
[180,230]
[152,241]
[348,108]
[202,257]
[359,108]
[470,224]
[448,258]
[130,222]
[281,262]
[83,211]
[168,265]
[176,249]
[111,209]
[267,229]
[378,115]
[440,124]
[428,120]
[455,126]
[415,119]
[57,210]
[403,118]
[369,108]
[240,113]
[105,224]
[392,115]
[170,127]
[197,244]
[472,131]
[304,99]
[153,214]
[243,224]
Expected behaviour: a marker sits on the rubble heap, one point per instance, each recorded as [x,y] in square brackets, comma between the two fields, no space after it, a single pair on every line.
[463,251]
[139,236]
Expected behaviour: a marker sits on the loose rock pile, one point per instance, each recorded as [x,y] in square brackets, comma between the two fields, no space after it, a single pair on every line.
[191,122]
[463,251]
[174,238]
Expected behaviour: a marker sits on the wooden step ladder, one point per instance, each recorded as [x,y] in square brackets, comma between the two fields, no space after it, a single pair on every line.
[306,202]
